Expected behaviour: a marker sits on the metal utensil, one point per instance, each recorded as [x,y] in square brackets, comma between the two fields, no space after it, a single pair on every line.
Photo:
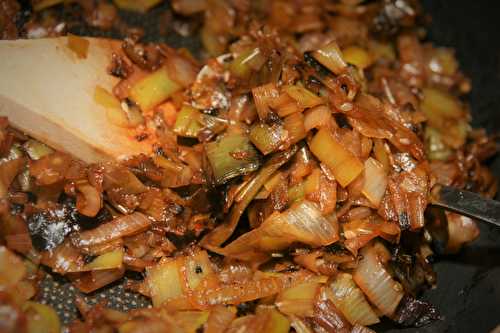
[469,204]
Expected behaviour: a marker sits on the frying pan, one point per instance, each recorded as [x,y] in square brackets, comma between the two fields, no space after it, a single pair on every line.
[468,289]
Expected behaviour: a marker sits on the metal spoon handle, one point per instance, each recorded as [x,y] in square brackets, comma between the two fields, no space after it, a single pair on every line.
[469,204]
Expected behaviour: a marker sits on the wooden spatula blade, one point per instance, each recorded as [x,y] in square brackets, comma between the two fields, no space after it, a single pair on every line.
[48,92]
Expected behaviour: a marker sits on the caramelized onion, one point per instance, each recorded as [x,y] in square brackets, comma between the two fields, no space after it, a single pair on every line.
[8,171]
[220,318]
[375,281]
[246,195]
[375,181]
[120,227]
[89,282]
[302,222]
[180,69]
[12,269]
[461,230]
[88,200]
[349,299]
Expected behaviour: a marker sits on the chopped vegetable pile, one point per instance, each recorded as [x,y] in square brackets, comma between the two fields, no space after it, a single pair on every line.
[290,182]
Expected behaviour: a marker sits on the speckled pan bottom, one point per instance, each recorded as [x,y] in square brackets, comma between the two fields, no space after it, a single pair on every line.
[60,294]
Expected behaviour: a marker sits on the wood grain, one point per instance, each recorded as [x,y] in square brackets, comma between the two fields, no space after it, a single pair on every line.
[48,92]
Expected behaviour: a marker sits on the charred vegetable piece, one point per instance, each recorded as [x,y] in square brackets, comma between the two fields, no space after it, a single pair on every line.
[220,234]
[413,312]
[231,156]
[49,228]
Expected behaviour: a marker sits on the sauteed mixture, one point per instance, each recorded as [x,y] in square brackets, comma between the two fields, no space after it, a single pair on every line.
[290,178]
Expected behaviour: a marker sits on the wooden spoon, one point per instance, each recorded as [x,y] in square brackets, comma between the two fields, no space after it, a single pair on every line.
[47,91]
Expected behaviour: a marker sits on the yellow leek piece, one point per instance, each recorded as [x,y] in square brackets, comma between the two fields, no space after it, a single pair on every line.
[357,56]
[41,318]
[164,281]
[109,260]
[344,165]
[153,89]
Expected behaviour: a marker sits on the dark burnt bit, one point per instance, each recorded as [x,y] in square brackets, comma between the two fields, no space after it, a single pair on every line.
[119,67]
[175,209]
[272,118]
[148,57]
[321,70]
[416,313]
[394,15]
[404,221]
[48,228]
[188,142]
[211,111]
[313,83]
[198,269]
[32,197]
[16,209]
[158,150]
[88,258]
[342,120]
[246,308]
[337,248]
[141,137]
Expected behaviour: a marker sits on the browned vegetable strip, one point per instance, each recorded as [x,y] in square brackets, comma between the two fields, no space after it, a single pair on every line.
[126,225]
[220,234]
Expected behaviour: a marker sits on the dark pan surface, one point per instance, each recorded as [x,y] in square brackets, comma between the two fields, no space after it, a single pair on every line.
[468,292]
